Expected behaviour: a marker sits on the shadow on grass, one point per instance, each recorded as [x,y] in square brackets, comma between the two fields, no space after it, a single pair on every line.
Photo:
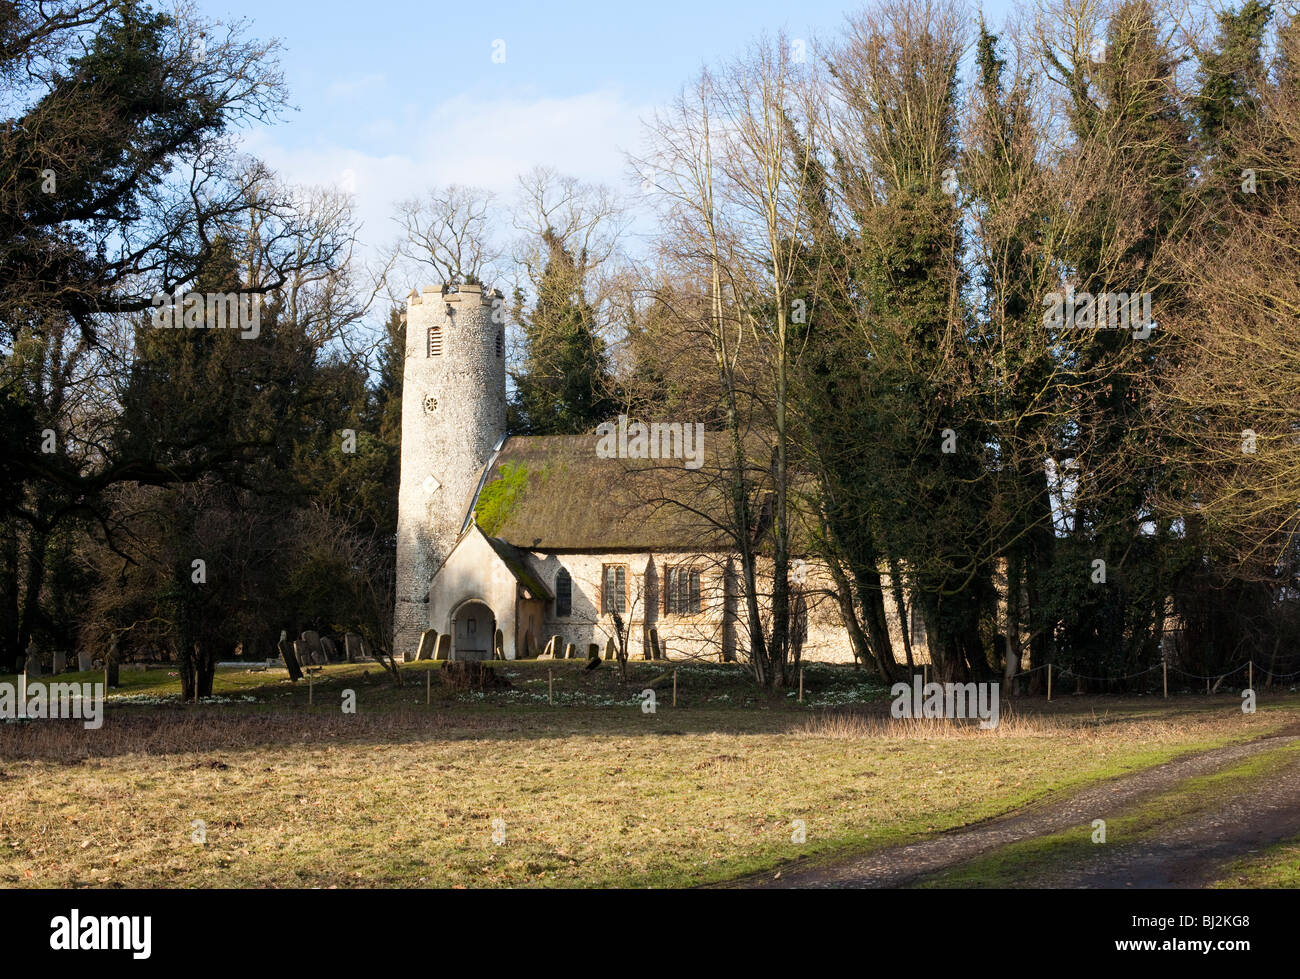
[256,709]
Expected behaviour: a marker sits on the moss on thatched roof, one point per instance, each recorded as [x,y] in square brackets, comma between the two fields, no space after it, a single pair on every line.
[554,492]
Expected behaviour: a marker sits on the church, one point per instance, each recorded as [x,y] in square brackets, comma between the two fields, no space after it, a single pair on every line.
[512,546]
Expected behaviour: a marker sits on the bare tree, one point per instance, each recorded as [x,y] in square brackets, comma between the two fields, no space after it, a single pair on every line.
[731,161]
[450,231]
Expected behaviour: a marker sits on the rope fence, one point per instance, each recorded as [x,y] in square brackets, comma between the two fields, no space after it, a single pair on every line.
[1064,671]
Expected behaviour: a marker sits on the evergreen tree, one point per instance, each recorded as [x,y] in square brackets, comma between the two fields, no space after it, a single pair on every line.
[1230,78]
[565,386]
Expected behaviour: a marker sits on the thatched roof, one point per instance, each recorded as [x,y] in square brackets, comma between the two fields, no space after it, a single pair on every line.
[555,493]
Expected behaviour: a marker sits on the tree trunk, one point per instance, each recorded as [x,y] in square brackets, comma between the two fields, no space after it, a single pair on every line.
[9,615]
[35,579]
[904,618]
[185,667]
[205,657]
[848,612]
[740,511]
[1011,650]
[871,596]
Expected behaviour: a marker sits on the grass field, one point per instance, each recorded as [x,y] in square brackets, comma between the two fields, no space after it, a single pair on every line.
[1278,867]
[262,789]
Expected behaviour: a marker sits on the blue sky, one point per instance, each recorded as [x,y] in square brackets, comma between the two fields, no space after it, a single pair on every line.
[394,95]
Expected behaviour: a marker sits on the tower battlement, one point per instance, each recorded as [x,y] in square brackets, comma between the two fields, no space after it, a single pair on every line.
[456,294]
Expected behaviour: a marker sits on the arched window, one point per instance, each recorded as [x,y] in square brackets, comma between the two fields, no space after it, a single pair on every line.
[563,594]
[682,592]
[613,593]
[435,341]
[501,344]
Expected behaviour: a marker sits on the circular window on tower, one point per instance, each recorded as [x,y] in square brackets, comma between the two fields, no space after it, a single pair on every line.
[430,404]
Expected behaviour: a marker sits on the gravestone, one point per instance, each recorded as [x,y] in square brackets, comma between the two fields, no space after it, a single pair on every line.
[611,649]
[315,653]
[443,650]
[498,646]
[33,665]
[428,643]
[290,660]
[352,646]
[330,650]
[570,651]
[84,661]
[302,652]
[60,661]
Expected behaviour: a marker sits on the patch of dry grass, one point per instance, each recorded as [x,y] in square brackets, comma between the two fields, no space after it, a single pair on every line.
[206,730]
[409,796]
[1120,728]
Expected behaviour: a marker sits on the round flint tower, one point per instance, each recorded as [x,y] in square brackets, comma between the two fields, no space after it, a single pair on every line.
[453,415]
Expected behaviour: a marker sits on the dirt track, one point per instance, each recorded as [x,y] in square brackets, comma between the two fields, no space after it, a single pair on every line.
[1187,853]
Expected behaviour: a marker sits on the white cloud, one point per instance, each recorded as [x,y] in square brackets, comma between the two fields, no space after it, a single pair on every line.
[479,142]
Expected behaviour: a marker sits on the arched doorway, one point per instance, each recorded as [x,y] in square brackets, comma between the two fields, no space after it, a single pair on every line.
[473,626]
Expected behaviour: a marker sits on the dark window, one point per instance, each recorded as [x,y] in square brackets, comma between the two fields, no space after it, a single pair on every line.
[563,594]
[501,344]
[613,593]
[682,592]
[435,341]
